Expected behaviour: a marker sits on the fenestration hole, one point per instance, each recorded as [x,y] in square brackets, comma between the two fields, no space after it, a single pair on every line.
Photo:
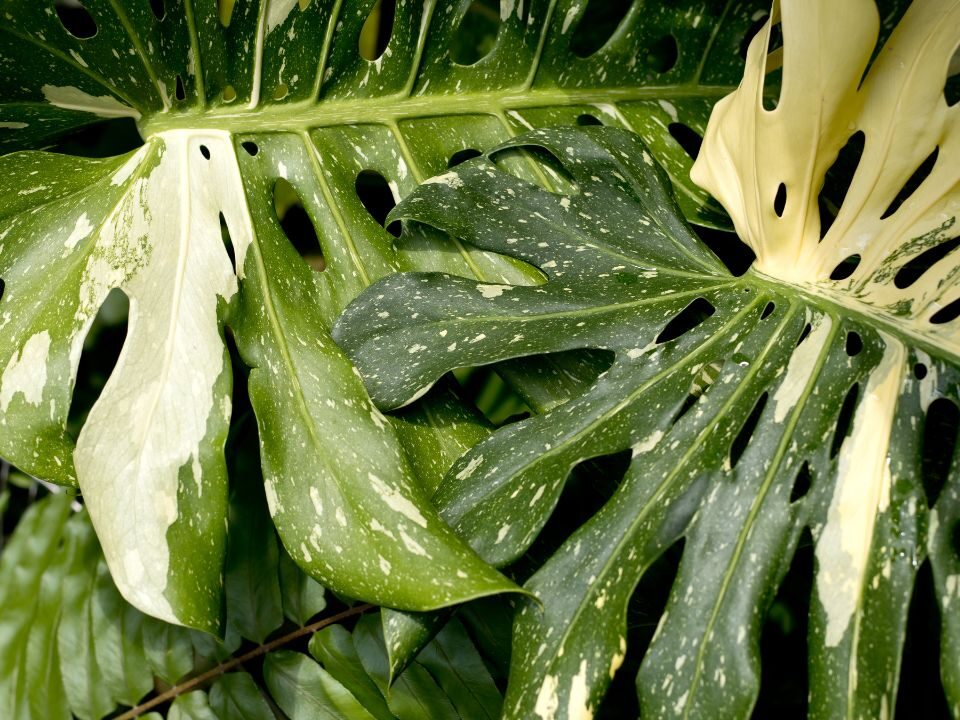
[845,268]
[75,18]
[374,192]
[461,156]
[780,201]
[663,54]
[377,30]
[297,225]
[597,25]
[947,313]
[159,9]
[854,343]
[686,320]
[688,138]
[742,440]
[940,428]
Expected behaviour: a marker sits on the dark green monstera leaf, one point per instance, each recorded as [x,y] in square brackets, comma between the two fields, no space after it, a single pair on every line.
[730,391]
[232,98]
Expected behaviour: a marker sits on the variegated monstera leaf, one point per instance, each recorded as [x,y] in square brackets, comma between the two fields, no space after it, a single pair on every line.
[230,98]
[796,396]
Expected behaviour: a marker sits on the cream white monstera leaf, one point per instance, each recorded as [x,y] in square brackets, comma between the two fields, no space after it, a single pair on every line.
[232,98]
[805,395]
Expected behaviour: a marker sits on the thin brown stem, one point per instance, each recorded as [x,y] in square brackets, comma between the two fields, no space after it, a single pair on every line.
[226,667]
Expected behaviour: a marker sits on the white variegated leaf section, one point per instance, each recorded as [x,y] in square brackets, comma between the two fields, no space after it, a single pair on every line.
[900,107]
[163,398]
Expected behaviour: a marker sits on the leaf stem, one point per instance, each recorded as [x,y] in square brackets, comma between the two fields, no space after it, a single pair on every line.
[226,667]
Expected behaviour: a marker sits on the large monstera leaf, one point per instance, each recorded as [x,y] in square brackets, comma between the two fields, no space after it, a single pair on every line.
[230,98]
[730,391]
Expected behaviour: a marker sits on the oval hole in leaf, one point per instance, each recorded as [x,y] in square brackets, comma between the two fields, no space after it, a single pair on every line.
[376,31]
[663,54]
[956,539]
[733,252]
[914,182]
[461,156]
[539,166]
[837,180]
[801,484]
[647,605]
[920,693]
[854,343]
[101,350]
[159,9]
[686,320]
[590,484]
[951,88]
[477,33]
[205,151]
[377,197]
[783,638]
[940,428]
[597,25]
[688,138]
[947,313]
[588,120]
[229,94]
[845,268]
[297,225]
[768,310]
[181,91]
[250,147]
[75,18]
[915,268]
[281,91]
[804,333]
[845,419]
[780,201]
[919,371]
[228,242]
[740,442]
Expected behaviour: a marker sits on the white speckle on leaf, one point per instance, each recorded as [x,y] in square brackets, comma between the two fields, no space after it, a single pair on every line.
[492,291]
[470,468]
[648,443]
[26,373]
[547,701]
[81,230]
[278,12]
[397,502]
[578,707]
[801,366]
[669,109]
[569,18]
[316,500]
[451,179]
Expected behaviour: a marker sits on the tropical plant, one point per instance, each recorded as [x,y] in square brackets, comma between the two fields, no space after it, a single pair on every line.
[809,397]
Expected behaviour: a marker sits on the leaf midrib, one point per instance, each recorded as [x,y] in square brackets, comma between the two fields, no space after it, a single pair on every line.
[308,114]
